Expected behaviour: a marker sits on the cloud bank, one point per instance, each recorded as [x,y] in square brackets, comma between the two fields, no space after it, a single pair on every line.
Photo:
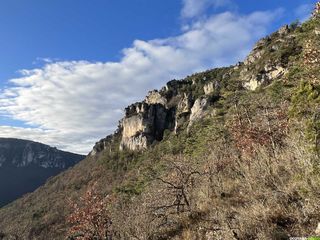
[72,104]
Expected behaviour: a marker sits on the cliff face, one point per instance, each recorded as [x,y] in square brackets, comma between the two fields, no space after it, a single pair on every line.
[236,156]
[180,103]
[172,108]
[143,123]
[23,153]
[26,165]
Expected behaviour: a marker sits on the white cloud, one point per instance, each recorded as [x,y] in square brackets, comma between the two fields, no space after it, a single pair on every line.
[72,104]
[194,8]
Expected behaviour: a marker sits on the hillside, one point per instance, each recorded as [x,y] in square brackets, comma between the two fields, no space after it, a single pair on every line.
[229,153]
[26,165]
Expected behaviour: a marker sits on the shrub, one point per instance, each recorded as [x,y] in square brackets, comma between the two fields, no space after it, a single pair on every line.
[90,218]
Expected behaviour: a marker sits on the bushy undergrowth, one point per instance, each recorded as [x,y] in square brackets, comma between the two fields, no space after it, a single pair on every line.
[224,181]
[248,170]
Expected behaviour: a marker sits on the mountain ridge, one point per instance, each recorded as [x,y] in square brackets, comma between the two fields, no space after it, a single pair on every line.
[141,117]
[28,145]
[25,165]
[229,153]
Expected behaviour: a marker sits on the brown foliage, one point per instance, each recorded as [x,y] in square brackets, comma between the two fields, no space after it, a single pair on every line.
[266,128]
[90,218]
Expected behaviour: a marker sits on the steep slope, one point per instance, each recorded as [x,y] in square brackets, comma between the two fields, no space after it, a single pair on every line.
[26,165]
[230,153]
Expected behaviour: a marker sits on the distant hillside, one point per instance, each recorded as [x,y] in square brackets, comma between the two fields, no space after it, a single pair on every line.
[25,165]
[229,153]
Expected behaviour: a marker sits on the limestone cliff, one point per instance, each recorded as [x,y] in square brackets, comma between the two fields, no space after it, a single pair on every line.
[20,153]
[182,102]
[26,165]
[143,123]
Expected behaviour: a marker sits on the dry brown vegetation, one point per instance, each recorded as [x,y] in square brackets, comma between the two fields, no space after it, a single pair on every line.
[228,196]
[90,218]
[248,170]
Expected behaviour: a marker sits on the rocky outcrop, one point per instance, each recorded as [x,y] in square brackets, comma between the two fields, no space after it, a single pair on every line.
[154,97]
[273,72]
[143,123]
[183,111]
[257,69]
[182,102]
[213,86]
[269,73]
[253,81]
[185,104]
[284,30]
[257,52]
[198,110]
[102,144]
[175,107]
[208,88]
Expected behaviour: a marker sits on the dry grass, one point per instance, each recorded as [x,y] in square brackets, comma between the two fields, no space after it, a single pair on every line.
[231,197]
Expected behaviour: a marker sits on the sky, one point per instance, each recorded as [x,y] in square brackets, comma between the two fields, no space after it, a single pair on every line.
[68,68]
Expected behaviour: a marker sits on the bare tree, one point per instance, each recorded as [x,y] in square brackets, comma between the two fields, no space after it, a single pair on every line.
[178,184]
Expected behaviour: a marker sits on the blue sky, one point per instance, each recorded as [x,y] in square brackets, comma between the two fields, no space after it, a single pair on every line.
[69,67]
[94,30]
